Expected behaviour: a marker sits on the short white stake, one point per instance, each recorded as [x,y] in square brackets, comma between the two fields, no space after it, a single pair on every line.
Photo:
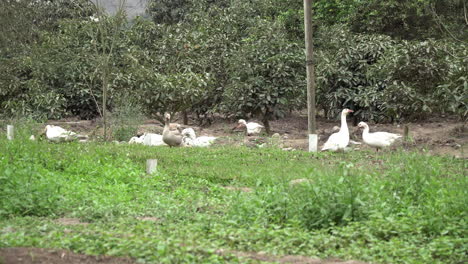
[10,132]
[313,142]
[151,166]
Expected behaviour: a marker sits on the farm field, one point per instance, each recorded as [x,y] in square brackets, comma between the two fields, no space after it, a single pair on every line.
[229,204]
[92,96]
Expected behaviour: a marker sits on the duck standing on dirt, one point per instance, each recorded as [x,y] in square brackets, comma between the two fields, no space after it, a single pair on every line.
[339,140]
[170,137]
[377,140]
[252,128]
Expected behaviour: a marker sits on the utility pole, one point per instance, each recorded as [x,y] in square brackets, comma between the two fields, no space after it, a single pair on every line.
[313,138]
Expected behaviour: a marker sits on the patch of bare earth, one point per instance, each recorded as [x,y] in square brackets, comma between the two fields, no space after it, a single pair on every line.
[241,189]
[54,256]
[149,218]
[70,221]
[283,259]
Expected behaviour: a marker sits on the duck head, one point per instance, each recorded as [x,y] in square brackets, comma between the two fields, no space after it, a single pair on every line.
[362,125]
[241,123]
[167,117]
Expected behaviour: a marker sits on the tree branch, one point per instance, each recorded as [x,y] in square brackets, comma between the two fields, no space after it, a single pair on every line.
[442,25]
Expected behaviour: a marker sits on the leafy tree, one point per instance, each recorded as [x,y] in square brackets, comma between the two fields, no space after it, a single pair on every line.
[168,11]
[23,20]
[267,75]
[414,19]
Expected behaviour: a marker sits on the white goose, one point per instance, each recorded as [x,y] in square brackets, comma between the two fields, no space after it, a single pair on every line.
[191,140]
[58,134]
[251,127]
[137,140]
[148,139]
[170,137]
[339,140]
[153,140]
[377,139]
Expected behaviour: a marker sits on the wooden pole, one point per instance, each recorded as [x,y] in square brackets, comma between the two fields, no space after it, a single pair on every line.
[10,132]
[313,138]
[151,166]
[406,133]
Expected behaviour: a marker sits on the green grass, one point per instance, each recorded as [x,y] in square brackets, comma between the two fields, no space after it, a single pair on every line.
[390,207]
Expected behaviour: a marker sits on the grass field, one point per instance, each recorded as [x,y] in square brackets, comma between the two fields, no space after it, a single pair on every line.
[387,207]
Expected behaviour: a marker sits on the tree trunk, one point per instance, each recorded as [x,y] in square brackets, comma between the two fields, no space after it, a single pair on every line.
[266,122]
[185,117]
[104,100]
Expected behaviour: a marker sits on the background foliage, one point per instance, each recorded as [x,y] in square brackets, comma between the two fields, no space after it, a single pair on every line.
[389,60]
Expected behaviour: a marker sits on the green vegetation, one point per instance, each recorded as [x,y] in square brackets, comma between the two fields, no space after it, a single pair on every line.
[388,207]
[387,60]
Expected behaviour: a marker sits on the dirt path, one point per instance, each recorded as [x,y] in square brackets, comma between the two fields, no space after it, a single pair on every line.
[283,259]
[54,256]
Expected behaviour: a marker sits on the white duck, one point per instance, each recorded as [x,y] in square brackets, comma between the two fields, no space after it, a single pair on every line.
[377,139]
[339,140]
[151,139]
[137,140]
[251,127]
[191,140]
[169,137]
[58,134]
[148,139]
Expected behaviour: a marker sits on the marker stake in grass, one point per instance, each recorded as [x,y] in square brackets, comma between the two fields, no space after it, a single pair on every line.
[10,132]
[151,166]
[313,142]
[406,133]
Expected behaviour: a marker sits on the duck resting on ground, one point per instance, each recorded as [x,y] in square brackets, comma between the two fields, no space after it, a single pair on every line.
[191,140]
[59,134]
[148,139]
[169,137]
[339,140]
[377,140]
[252,128]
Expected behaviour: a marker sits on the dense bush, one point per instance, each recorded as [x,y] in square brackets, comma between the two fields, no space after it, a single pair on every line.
[424,77]
[239,58]
[266,75]
[412,19]
[342,73]
[385,79]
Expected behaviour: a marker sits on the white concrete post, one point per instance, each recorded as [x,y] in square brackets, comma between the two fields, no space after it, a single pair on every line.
[151,166]
[313,142]
[10,132]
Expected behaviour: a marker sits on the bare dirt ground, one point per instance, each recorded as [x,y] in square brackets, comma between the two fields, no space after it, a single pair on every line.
[438,136]
[54,256]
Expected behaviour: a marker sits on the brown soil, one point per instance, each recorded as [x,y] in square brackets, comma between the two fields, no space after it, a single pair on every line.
[70,221]
[283,259]
[242,189]
[149,218]
[441,136]
[54,256]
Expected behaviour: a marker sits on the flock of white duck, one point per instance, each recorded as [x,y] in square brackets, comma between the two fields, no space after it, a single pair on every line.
[339,141]
[174,136]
